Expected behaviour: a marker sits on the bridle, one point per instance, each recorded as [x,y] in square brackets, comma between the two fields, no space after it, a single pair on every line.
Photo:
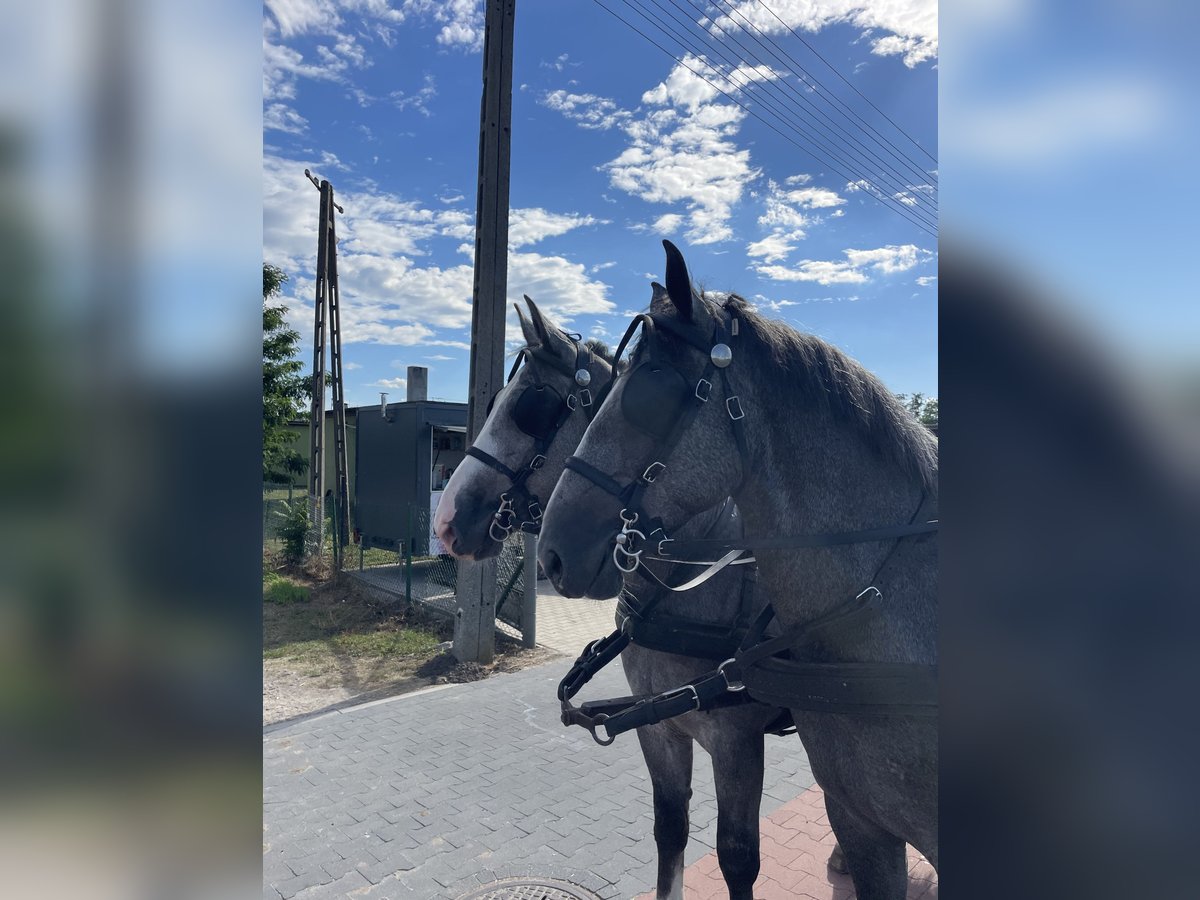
[659,401]
[540,412]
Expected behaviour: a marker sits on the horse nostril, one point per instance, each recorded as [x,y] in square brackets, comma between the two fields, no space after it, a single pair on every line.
[446,533]
[552,566]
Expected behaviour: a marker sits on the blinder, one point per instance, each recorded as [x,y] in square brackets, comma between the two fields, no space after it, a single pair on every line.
[653,398]
[539,412]
[538,409]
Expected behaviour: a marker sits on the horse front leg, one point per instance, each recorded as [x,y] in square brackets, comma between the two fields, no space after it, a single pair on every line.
[668,756]
[737,759]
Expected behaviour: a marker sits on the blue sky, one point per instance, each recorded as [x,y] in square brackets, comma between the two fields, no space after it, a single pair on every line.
[615,145]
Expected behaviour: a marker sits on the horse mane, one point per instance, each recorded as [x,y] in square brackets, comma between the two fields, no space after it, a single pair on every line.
[840,385]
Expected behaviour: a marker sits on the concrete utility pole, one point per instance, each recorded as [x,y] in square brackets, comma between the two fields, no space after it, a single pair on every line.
[475,623]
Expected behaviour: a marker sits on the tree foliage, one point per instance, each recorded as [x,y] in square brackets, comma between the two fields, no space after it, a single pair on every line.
[286,390]
[925,409]
[598,347]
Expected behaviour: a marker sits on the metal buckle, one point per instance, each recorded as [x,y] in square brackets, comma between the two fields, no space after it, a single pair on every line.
[666,540]
[703,397]
[572,402]
[679,691]
[729,686]
[732,403]
[585,397]
[537,462]
[649,475]
[535,511]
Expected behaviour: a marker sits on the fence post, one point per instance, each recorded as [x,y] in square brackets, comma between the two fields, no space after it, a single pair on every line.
[408,542]
[529,600]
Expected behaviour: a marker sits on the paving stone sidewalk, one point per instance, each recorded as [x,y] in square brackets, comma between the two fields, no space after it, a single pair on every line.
[432,794]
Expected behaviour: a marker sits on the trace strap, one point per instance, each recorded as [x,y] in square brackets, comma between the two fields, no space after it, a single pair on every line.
[756,672]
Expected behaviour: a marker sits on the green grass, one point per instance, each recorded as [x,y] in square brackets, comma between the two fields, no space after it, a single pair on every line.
[277,589]
[364,645]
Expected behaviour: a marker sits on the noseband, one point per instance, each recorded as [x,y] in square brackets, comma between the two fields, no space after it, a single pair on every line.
[539,412]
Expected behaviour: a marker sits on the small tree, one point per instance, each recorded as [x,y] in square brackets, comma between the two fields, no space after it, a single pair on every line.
[925,410]
[286,390]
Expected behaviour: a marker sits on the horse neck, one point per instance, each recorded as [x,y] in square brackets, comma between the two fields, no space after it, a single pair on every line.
[815,475]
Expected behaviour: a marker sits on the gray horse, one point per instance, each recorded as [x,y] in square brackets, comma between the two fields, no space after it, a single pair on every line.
[733,736]
[827,449]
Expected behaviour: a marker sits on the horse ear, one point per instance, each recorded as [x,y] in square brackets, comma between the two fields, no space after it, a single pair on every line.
[679,283]
[548,334]
[658,293]
[527,329]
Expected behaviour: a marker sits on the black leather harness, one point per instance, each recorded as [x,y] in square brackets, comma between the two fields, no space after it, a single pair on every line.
[769,670]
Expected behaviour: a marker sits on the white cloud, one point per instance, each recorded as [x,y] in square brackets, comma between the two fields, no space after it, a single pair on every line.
[280,117]
[451,198]
[587,110]
[695,81]
[911,26]
[667,224]
[351,366]
[393,383]
[390,298]
[601,266]
[883,260]
[439,357]
[775,246]
[557,285]
[889,259]
[820,271]
[528,226]
[926,280]
[295,17]
[681,151]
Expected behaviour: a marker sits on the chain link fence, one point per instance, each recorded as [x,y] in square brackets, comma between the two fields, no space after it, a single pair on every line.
[417,569]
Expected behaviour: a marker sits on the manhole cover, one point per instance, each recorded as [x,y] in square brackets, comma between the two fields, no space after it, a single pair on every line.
[530,889]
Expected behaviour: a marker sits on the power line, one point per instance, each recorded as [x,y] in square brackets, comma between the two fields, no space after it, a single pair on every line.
[900,209]
[807,78]
[897,182]
[833,69]
[915,216]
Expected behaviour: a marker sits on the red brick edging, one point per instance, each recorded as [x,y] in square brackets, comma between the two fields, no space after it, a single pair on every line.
[796,842]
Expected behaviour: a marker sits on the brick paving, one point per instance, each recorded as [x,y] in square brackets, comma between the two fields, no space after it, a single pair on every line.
[567,625]
[432,794]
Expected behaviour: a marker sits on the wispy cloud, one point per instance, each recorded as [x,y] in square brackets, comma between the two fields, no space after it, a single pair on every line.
[587,110]
[854,269]
[281,117]
[419,100]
